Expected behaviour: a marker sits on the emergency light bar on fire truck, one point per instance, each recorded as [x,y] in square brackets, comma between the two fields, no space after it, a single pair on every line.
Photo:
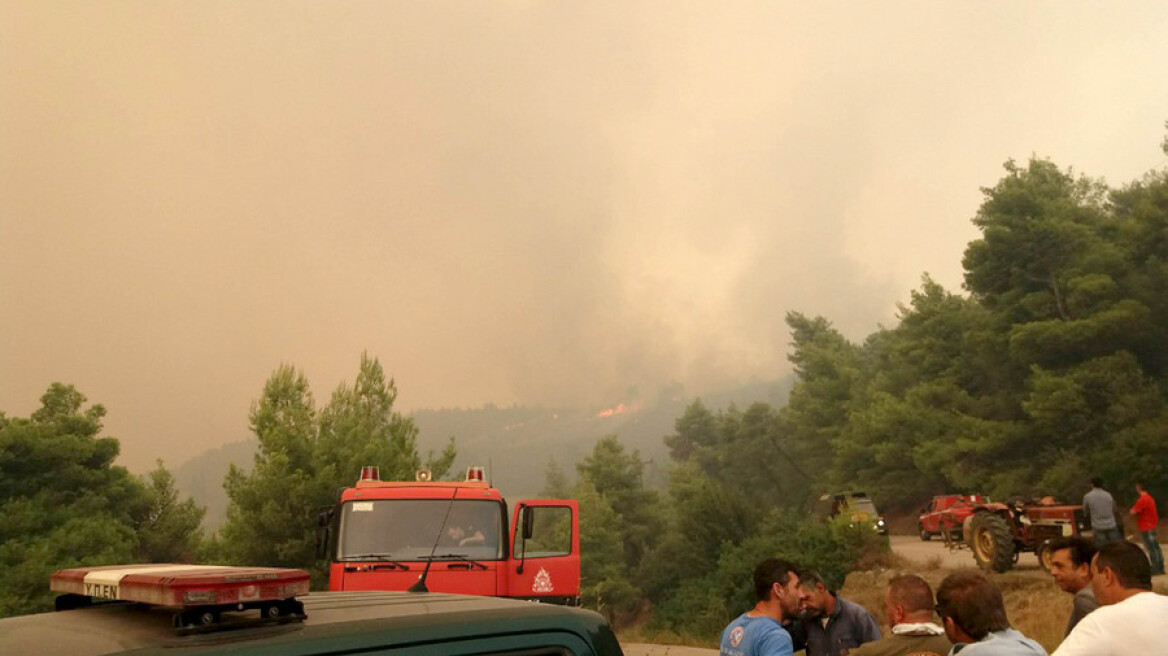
[198,594]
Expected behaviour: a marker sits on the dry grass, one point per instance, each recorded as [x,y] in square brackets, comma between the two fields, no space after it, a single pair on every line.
[639,634]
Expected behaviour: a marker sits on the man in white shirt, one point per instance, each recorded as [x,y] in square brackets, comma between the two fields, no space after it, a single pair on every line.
[1130,618]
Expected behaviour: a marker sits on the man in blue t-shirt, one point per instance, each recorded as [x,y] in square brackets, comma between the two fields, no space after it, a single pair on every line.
[760,632]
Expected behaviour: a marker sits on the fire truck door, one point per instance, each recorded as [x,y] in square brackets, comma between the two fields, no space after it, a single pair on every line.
[545,555]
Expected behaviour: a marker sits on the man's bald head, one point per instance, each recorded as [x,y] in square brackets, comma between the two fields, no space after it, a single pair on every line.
[909,599]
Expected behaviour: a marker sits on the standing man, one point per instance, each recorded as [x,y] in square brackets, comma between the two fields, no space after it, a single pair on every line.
[974,616]
[908,603]
[760,632]
[1130,618]
[832,625]
[1146,521]
[1100,508]
[1070,565]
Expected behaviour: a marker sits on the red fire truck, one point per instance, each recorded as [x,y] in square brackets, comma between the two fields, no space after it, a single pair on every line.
[453,537]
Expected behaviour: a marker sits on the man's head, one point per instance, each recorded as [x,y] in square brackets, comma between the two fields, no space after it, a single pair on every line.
[818,599]
[1119,570]
[775,581]
[1140,487]
[456,533]
[970,607]
[1096,481]
[1070,562]
[909,599]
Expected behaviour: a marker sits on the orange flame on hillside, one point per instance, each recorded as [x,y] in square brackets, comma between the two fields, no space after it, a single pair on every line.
[619,409]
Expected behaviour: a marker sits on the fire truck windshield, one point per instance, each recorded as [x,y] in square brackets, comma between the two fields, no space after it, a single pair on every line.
[409,529]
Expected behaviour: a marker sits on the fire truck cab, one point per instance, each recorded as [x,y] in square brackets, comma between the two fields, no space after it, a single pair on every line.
[454,537]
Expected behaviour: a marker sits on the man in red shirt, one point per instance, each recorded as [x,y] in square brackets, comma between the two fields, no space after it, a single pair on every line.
[1146,520]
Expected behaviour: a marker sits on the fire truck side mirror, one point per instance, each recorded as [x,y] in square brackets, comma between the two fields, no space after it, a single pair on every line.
[528,523]
[324,523]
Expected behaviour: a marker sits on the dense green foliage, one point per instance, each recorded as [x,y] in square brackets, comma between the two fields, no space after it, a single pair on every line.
[737,495]
[305,456]
[689,556]
[1051,369]
[65,504]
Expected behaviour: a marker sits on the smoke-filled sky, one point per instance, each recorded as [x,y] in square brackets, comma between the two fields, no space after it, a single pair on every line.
[534,202]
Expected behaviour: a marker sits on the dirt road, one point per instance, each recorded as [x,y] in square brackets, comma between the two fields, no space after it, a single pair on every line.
[645,649]
[913,548]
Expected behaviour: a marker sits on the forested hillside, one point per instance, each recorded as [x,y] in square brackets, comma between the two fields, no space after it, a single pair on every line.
[201,477]
[515,443]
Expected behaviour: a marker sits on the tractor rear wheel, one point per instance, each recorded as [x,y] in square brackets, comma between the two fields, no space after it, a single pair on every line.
[991,542]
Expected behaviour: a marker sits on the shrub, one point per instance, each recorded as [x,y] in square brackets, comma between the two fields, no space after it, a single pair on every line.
[702,606]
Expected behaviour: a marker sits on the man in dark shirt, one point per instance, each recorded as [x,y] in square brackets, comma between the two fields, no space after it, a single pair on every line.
[831,625]
[1099,506]
[908,603]
[1070,565]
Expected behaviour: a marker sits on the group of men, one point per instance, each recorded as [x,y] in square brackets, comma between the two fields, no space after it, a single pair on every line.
[1107,527]
[1114,609]
[794,610]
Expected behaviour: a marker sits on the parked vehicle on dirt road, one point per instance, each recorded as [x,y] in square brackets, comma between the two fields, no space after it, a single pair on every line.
[998,532]
[857,505]
[946,513]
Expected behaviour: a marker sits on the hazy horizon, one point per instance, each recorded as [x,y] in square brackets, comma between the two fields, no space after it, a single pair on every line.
[539,203]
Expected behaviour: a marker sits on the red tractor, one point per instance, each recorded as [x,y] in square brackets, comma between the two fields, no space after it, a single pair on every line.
[946,514]
[998,532]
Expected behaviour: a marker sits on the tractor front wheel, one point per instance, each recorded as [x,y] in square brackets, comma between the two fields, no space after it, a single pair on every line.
[989,538]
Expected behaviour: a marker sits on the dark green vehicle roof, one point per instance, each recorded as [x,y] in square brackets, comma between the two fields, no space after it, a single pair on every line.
[401,623]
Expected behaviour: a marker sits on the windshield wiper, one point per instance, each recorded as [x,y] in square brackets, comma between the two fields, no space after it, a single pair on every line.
[381,558]
[462,557]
